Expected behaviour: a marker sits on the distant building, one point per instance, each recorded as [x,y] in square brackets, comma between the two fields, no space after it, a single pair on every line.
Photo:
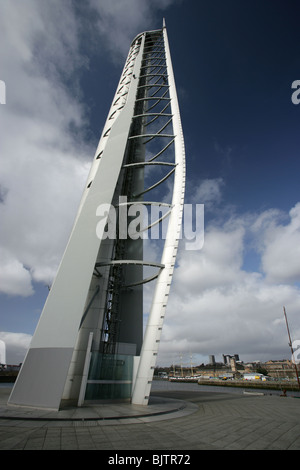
[227,357]
[281,369]
[212,360]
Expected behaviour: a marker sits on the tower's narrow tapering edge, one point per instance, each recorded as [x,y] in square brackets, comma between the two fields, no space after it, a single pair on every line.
[89,343]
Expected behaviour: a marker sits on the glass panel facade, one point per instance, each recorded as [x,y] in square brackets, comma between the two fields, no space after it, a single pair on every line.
[110,377]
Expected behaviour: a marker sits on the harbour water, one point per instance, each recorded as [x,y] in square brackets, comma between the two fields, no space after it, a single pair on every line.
[166,385]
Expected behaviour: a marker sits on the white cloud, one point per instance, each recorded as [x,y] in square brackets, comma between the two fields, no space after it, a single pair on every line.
[44,154]
[16,346]
[208,192]
[281,255]
[14,278]
[217,307]
[44,163]
[217,264]
[119,21]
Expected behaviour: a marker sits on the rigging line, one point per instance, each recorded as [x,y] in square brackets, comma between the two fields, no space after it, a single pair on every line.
[158,101]
[157,221]
[129,261]
[150,135]
[156,184]
[165,107]
[153,114]
[158,133]
[163,95]
[150,203]
[151,85]
[162,151]
[148,163]
[144,281]
[157,82]
[157,68]
[155,98]
[156,117]
[155,75]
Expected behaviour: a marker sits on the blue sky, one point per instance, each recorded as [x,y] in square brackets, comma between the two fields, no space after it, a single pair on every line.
[234,63]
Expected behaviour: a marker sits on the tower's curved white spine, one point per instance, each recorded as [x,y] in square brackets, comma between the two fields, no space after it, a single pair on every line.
[154,326]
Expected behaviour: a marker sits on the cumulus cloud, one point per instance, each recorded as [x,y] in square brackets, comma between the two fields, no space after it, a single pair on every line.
[16,346]
[208,192]
[45,138]
[119,21]
[216,306]
[45,154]
[15,278]
[281,253]
[44,162]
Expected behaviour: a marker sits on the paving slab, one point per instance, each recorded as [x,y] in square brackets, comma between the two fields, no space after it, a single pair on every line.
[177,419]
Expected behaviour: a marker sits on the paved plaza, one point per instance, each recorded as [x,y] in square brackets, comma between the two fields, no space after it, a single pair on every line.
[177,419]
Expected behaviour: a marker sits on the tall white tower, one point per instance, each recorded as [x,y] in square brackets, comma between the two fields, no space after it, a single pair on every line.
[89,344]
